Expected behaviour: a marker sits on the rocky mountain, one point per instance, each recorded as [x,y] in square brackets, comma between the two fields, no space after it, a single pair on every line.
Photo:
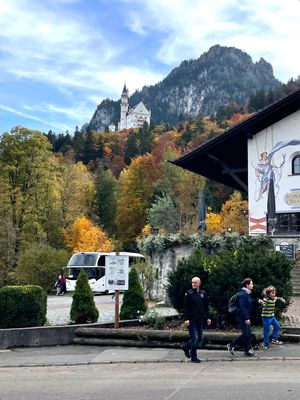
[218,77]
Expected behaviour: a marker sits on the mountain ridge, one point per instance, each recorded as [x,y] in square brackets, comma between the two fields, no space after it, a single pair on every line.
[220,76]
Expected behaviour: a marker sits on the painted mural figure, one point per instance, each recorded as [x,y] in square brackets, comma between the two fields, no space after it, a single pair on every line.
[266,171]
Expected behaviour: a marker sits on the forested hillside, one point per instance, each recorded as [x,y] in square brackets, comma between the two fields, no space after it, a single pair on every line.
[104,190]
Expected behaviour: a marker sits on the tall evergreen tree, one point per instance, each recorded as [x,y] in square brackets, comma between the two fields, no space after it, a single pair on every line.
[83,308]
[106,186]
[133,299]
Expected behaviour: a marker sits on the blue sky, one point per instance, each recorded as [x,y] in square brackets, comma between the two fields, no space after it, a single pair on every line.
[60,58]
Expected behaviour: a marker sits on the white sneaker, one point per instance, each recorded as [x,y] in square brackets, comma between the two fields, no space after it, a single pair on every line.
[276,341]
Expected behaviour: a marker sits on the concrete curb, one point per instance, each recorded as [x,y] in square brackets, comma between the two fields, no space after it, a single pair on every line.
[158,361]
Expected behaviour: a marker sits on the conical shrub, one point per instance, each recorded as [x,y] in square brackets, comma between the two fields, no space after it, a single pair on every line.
[133,299]
[83,309]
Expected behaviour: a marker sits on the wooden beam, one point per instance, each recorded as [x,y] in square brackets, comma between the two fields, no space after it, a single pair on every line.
[227,170]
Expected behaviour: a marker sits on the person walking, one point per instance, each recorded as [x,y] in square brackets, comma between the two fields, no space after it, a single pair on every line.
[62,284]
[195,312]
[268,317]
[244,301]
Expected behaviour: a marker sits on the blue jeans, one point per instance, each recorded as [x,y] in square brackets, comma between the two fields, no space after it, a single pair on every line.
[244,339]
[195,330]
[267,322]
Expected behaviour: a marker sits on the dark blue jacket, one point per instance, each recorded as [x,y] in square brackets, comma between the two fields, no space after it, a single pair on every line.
[244,305]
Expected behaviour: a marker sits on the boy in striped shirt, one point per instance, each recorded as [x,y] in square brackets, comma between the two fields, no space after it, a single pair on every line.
[268,317]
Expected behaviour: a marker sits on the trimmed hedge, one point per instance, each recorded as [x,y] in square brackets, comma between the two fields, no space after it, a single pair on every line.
[22,306]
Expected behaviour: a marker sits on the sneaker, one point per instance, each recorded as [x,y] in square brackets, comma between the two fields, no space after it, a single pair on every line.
[265,347]
[186,351]
[230,349]
[276,341]
[195,360]
[250,354]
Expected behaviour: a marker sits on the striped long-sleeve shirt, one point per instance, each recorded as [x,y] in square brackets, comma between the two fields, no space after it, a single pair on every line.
[268,307]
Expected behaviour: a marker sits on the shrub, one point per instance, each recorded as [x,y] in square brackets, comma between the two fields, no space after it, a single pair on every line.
[153,319]
[83,308]
[179,280]
[22,306]
[133,299]
[264,267]
[40,265]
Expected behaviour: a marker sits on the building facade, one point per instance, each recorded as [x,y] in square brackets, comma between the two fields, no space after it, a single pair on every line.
[261,157]
[274,179]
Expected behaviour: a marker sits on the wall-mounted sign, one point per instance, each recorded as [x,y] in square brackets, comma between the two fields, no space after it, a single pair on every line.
[293,198]
[288,250]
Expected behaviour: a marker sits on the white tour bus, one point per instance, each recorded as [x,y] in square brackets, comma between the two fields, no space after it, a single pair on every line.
[94,265]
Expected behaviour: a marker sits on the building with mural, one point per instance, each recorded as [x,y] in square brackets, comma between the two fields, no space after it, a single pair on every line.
[260,156]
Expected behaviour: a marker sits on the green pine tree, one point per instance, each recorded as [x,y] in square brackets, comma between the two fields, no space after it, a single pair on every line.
[83,309]
[133,299]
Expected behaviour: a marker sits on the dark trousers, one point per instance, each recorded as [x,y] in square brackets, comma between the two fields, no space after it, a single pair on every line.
[244,340]
[195,330]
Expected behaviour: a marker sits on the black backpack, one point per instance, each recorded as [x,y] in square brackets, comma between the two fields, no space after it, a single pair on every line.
[233,303]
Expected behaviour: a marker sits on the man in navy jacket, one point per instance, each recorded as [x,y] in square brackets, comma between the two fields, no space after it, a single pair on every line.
[195,311]
[243,317]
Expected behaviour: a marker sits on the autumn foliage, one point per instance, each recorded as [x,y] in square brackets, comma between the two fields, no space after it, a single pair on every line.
[83,235]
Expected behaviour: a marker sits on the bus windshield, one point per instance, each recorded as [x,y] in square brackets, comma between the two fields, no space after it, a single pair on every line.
[83,260]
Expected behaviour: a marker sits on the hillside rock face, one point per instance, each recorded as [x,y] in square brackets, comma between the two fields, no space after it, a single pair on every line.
[218,77]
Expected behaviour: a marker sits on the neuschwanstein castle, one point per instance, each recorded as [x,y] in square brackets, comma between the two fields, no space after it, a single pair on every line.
[133,117]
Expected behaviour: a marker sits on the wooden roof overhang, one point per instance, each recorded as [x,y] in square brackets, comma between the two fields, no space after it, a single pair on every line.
[225,158]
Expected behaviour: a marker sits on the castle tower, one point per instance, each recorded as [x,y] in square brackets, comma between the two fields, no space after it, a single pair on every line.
[124,108]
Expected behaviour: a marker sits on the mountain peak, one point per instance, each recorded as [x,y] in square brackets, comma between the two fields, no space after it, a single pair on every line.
[197,87]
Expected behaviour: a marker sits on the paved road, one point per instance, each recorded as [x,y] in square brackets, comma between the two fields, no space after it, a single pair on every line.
[177,381]
[58,308]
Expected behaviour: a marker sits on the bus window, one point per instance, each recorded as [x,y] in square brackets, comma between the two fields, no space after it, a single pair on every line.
[101,261]
[101,272]
[83,260]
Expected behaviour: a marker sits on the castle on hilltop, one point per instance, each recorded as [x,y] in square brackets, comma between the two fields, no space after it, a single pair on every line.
[134,117]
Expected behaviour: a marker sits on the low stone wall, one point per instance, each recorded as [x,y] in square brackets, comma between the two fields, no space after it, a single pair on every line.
[37,336]
[45,335]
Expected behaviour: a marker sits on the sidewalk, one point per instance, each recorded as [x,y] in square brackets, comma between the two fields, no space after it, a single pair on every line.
[88,355]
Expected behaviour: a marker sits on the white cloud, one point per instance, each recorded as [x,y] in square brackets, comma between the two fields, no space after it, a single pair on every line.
[261,28]
[46,122]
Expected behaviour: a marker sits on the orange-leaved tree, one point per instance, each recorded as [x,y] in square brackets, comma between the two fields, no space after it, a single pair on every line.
[136,187]
[234,214]
[83,235]
[213,223]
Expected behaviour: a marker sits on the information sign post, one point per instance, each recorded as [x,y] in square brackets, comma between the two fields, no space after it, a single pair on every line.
[116,278]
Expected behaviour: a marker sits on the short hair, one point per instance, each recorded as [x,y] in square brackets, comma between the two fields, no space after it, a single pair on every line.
[268,290]
[246,282]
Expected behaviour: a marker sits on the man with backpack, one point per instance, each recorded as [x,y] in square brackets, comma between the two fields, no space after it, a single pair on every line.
[244,305]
